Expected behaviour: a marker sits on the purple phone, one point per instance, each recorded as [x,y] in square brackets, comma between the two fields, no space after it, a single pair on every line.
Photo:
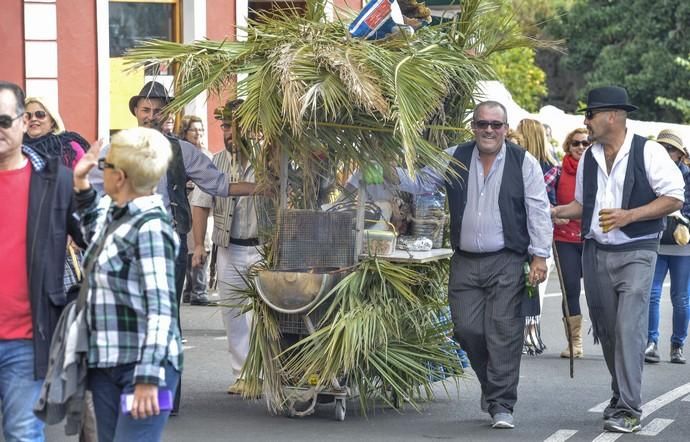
[165,401]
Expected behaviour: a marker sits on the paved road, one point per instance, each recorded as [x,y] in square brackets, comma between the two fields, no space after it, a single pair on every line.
[551,406]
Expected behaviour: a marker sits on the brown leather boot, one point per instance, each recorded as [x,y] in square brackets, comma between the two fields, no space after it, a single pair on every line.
[575,325]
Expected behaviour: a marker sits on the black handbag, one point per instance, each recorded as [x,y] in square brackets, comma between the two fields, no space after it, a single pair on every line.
[672,224]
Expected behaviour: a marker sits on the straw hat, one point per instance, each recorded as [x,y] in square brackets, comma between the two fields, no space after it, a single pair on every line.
[672,138]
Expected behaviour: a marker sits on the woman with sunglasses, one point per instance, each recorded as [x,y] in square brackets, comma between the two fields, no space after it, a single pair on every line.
[675,260]
[46,133]
[567,238]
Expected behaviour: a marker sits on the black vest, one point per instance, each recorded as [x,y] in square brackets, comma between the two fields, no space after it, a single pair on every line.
[636,191]
[511,197]
[177,192]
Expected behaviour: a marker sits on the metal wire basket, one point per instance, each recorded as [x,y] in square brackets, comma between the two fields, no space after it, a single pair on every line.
[308,239]
[294,323]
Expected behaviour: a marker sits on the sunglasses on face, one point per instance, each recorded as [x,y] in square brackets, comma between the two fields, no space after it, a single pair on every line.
[583,143]
[589,114]
[483,124]
[6,121]
[39,114]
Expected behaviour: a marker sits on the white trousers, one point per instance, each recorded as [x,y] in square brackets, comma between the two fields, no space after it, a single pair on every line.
[232,262]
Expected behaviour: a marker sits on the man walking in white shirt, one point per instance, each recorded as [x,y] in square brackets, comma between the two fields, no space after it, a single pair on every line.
[625,186]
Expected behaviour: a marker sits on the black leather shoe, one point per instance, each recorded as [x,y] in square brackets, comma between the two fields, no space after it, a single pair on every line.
[651,353]
[199,300]
[677,354]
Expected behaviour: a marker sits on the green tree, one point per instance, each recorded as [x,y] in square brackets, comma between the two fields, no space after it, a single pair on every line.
[516,68]
[679,103]
[517,71]
[630,43]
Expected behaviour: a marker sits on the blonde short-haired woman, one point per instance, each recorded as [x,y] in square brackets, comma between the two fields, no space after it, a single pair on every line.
[134,337]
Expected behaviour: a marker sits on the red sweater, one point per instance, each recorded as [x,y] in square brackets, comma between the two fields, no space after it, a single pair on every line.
[15,314]
[565,193]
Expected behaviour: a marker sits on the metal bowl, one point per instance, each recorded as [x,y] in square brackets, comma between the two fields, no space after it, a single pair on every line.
[292,292]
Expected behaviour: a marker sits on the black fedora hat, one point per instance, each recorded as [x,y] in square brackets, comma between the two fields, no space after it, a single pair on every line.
[608,97]
[152,89]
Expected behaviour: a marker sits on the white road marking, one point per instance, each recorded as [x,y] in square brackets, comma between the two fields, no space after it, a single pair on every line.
[560,436]
[220,338]
[686,398]
[188,347]
[607,437]
[665,399]
[647,409]
[599,408]
[655,427]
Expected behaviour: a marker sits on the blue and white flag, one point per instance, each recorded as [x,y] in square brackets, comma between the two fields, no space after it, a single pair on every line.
[377,19]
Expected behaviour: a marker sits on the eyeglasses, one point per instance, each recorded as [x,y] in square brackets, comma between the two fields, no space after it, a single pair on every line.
[103,164]
[589,113]
[483,124]
[6,121]
[39,114]
[583,143]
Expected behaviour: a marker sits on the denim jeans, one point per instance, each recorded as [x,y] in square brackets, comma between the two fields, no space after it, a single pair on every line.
[679,268]
[106,385]
[19,391]
[180,271]
[196,285]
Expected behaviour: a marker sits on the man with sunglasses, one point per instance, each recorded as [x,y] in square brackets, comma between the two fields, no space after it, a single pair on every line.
[37,216]
[499,221]
[625,185]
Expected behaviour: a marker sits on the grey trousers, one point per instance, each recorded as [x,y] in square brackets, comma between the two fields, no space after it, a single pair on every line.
[485,295]
[617,286]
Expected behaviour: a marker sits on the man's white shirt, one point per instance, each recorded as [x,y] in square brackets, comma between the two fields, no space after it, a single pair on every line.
[663,175]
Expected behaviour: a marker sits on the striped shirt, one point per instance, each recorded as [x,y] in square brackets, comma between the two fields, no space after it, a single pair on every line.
[132,309]
[232,216]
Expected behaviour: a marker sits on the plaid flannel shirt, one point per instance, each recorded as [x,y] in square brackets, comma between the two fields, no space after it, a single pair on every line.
[132,308]
[551,177]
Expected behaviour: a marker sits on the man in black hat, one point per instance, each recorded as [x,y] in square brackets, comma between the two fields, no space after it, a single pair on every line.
[625,187]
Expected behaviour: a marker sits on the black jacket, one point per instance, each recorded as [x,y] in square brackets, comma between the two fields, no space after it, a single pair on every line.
[50,219]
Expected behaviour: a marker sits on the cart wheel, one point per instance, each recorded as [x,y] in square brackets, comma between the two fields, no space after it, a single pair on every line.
[340,409]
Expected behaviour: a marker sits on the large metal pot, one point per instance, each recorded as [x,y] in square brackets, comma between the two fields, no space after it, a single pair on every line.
[292,292]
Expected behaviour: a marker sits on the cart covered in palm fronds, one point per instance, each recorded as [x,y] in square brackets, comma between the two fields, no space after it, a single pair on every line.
[323,102]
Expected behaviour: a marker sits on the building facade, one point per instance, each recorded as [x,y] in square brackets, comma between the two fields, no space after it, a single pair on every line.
[70,51]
